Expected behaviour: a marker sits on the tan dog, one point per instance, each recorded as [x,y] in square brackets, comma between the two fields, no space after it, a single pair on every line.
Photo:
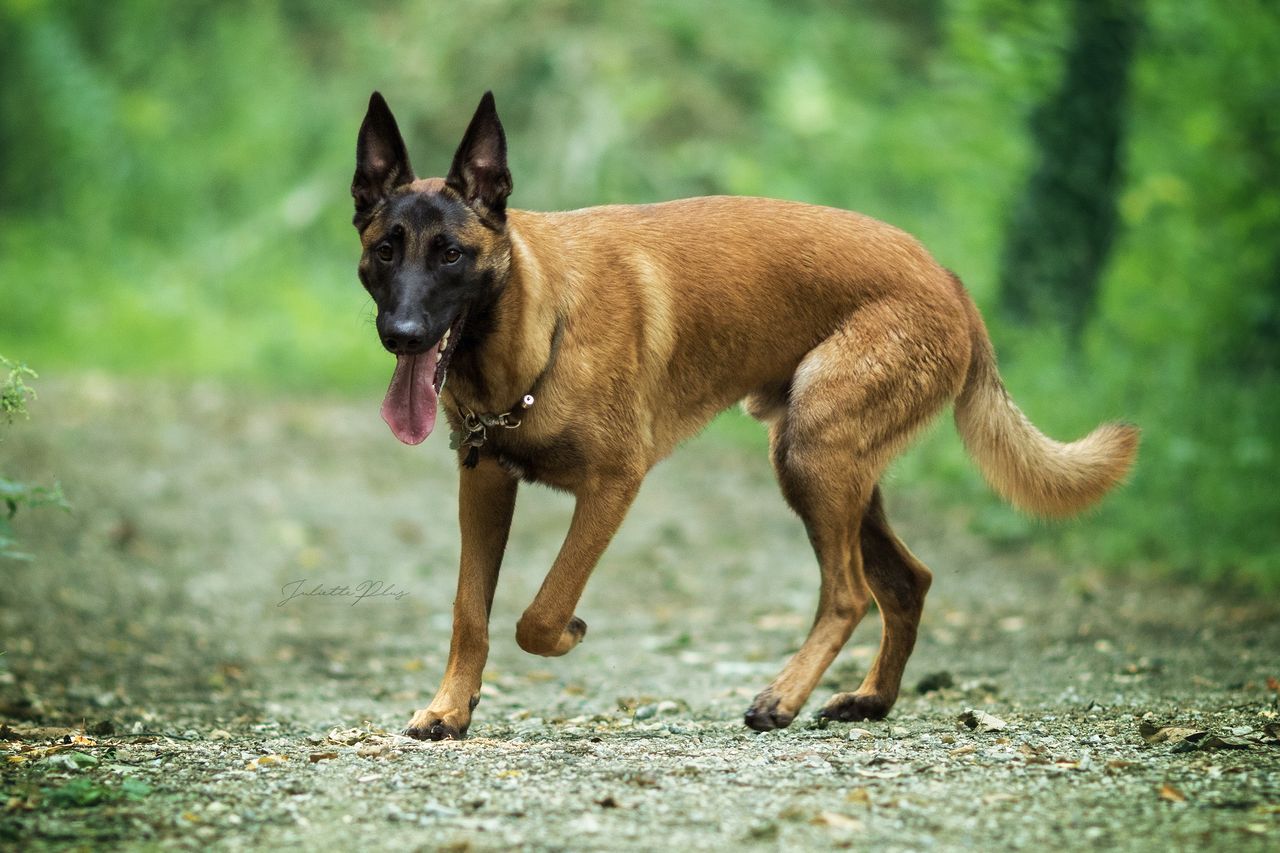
[582,347]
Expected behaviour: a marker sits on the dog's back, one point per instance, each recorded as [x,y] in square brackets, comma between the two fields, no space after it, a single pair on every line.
[702,302]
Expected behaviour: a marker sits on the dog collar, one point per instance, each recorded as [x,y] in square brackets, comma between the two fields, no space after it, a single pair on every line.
[476,426]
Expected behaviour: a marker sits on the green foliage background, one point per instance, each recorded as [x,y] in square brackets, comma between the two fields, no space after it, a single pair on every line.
[173,196]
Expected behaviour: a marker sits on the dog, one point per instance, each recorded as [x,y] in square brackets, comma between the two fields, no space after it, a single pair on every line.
[581,347]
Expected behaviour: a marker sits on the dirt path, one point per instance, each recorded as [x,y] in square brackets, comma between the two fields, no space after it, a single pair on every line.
[183,705]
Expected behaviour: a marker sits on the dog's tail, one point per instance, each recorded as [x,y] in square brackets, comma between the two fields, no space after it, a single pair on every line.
[1027,468]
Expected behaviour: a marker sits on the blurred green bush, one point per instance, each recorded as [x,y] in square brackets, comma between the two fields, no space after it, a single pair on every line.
[173,195]
[14,393]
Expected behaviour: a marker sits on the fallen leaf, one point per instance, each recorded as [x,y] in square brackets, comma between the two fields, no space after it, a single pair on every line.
[265,761]
[73,760]
[861,796]
[1142,666]
[1152,733]
[1219,742]
[891,773]
[1172,794]
[347,737]
[1115,765]
[997,798]
[373,749]
[322,756]
[33,733]
[836,820]
[963,750]
[28,804]
[982,721]
[795,813]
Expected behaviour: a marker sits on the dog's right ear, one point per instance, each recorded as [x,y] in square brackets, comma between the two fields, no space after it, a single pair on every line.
[382,163]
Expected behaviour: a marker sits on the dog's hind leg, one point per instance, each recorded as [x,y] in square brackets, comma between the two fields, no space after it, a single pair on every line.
[826,509]
[854,401]
[899,582]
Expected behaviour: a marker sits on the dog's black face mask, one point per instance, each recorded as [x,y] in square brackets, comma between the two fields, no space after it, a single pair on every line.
[433,250]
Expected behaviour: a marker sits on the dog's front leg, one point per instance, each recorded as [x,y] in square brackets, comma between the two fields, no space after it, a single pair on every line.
[486,500]
[548,626]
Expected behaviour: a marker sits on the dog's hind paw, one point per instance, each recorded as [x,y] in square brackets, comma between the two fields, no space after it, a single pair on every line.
[853,707]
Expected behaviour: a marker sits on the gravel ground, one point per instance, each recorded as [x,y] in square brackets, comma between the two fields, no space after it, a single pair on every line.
[159,692]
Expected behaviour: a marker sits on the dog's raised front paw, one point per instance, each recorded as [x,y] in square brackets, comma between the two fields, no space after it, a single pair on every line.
[548,640]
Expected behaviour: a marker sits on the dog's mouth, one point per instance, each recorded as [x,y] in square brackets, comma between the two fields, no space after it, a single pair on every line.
[410,405]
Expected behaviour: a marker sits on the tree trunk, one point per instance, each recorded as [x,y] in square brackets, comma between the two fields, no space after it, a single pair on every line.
[1063,227]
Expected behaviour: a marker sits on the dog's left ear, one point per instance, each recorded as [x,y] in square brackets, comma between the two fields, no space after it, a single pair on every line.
[479,173]
[382,163]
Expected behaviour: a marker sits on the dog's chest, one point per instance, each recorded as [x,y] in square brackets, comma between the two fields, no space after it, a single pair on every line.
[558,461]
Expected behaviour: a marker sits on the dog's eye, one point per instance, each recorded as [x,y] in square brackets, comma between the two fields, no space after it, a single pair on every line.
[451,256]
[385,253]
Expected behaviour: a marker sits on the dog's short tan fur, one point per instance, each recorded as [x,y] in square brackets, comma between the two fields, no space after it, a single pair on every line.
[840,332]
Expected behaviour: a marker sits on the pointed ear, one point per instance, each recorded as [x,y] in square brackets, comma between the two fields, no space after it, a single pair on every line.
[382,164]
[479,173]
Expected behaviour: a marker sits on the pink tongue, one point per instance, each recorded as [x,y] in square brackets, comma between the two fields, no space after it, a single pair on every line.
[410,405]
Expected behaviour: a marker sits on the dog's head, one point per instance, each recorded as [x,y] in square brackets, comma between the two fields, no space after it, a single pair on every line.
[434,250]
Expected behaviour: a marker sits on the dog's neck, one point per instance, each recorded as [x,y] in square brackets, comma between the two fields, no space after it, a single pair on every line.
[508,343]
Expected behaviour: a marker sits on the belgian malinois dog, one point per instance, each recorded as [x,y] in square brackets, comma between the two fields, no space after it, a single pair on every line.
[582,347]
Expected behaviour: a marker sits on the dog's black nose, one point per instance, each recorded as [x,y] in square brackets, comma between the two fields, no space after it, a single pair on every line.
[405,337]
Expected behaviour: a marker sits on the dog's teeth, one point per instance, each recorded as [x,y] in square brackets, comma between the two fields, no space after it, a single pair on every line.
[440,354]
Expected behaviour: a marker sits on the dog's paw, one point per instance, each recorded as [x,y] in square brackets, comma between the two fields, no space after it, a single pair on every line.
[853,707]
[542,638]
[427,725]
[767,713]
